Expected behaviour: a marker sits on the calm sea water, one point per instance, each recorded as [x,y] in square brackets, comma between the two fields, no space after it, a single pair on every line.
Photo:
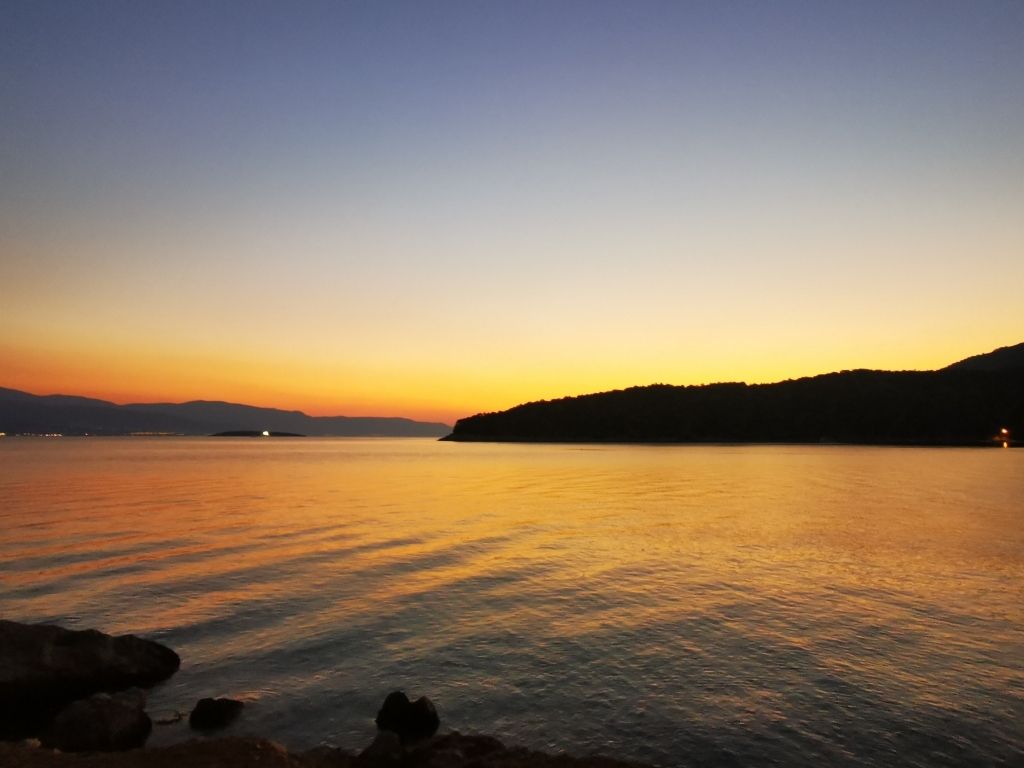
[754,605]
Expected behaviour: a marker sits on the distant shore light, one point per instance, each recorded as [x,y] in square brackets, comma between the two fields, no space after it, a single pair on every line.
[266,433]
[1004,431]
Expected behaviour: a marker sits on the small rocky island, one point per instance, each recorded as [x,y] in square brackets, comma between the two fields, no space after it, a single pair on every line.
[75,699]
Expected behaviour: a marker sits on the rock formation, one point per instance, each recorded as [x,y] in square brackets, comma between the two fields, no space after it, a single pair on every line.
[210,714]
[101,723]
[45,668]
[412,720]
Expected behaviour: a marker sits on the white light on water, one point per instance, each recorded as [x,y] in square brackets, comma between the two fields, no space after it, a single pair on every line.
[266,433]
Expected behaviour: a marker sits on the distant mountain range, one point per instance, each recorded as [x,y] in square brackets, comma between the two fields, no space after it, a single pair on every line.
[24,413]
[969,402]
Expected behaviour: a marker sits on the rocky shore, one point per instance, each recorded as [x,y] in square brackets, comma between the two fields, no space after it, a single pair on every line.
[74,699]
[48,675]
[451,750]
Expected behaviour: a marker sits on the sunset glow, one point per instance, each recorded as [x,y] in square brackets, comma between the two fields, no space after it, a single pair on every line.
[432,210]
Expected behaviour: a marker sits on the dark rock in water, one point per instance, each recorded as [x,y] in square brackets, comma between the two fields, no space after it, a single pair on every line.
[424,720]
[386,750]
[101,723]
[391,714]
[412,721]
[44,668]
[210,714]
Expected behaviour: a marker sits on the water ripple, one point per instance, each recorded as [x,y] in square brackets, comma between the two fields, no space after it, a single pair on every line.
[719,606]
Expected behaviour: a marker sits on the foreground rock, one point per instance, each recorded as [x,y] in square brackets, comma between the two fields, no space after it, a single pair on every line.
[211,714]
[215,753]
[385,750]
[101,723]
[44,668]
[412,720]
[451,750]
[454,749]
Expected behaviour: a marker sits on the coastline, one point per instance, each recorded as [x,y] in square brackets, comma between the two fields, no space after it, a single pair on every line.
[75,698]
[449,750]
[513,439]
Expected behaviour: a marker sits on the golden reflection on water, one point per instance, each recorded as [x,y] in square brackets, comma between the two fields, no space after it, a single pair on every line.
[760,583]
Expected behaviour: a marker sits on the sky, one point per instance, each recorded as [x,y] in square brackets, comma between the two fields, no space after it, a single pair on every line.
[433,209]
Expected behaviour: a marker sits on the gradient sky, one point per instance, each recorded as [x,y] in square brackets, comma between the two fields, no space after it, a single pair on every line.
[436,208]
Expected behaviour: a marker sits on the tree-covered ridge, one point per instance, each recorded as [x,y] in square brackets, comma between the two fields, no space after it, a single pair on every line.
[885,407]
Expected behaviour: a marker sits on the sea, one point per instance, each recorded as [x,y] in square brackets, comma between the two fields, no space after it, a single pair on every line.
[701,605]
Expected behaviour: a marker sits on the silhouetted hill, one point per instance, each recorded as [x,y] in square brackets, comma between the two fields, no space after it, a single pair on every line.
[1002,359]
[952,406]
[21,412]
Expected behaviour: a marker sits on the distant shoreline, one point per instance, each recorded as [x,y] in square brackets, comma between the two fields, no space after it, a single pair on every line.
[456,438]
[171,435]
[27,413]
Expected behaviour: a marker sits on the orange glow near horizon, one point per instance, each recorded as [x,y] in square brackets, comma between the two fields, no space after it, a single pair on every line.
[335,231]
[443,391]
